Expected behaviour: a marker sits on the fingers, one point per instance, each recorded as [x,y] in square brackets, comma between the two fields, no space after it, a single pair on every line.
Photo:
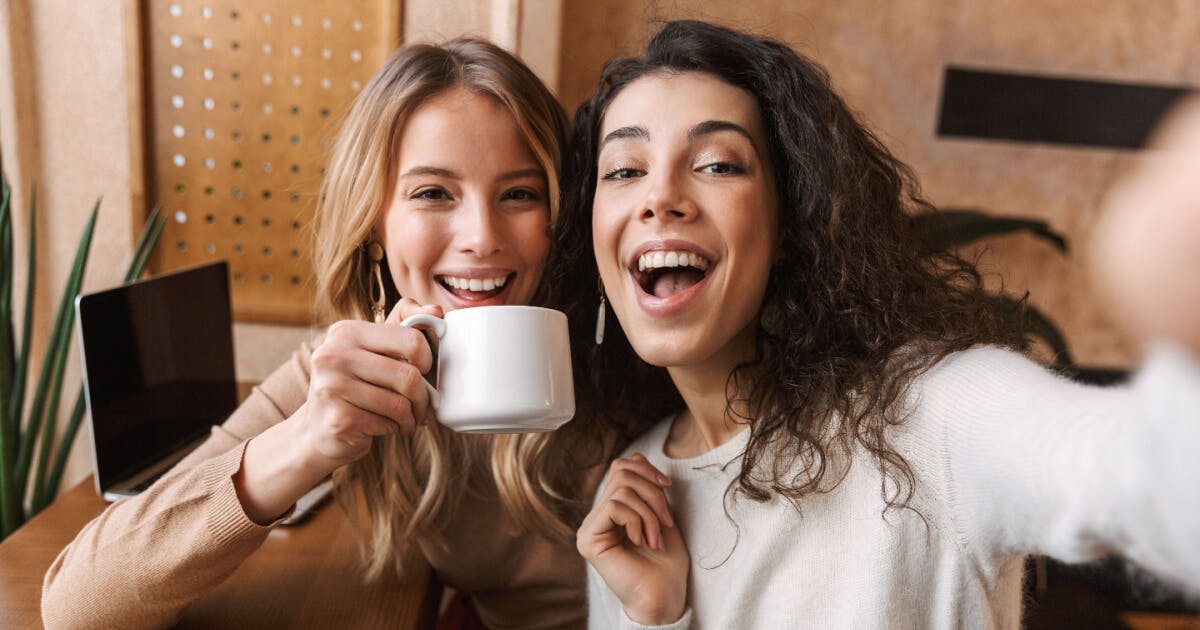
[651,492]
[641,521]
[398,342]
[634,469]
[408,307]
[633,502]
[377,384]
[390,377]
[357,408]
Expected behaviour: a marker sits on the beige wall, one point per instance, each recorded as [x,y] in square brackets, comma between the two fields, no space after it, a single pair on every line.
[887,60]
[65,114]
[64,125]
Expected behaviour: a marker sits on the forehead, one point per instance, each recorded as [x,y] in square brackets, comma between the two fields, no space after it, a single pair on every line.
[680,101]
[461,120]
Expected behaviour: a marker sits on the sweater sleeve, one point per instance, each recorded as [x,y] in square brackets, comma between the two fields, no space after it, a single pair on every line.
[145,558]
[605,611]
[1033,463]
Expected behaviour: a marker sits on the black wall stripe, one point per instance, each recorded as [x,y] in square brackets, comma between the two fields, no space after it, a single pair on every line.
[1024,108]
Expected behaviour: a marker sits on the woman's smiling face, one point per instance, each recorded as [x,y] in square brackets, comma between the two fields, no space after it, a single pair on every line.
[466,222]
[685,216]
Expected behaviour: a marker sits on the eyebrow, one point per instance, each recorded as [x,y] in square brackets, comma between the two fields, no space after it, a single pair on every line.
[441,172]
[702,129]
[430,170]
[626,132]
[714,126]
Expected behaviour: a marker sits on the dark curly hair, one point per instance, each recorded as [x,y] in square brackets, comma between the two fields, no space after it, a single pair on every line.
[838,345]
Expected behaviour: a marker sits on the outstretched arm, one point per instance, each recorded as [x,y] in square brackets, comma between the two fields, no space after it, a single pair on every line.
[1038,464]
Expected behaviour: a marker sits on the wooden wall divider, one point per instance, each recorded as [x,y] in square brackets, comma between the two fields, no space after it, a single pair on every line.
[240,101]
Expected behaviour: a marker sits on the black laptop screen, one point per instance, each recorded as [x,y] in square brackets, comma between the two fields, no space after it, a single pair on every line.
[159,366]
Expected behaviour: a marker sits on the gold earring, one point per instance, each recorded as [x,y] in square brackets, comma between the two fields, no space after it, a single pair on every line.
[378,299]
[600,312]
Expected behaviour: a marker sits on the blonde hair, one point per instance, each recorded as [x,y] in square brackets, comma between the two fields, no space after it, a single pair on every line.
[412,485]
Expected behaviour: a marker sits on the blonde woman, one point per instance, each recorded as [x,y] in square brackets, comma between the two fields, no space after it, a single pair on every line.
[441,189]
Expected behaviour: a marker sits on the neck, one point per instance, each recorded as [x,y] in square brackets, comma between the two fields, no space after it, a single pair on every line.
[708,422]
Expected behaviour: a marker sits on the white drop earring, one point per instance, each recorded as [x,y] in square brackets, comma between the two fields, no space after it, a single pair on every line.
[600,312]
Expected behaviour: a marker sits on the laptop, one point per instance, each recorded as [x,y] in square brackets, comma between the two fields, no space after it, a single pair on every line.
[158,372]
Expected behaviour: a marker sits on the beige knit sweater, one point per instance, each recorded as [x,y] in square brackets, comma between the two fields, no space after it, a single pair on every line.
[144,559]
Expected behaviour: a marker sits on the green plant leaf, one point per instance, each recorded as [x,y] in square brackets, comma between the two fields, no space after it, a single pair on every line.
[50,379]
[8,358]
[1035,324]
[951,228]
[44,494]
[145,245]
[22,369]
[10,503]
[8,351]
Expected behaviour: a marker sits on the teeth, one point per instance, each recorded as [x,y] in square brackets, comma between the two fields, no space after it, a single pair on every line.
[660,259]
[474,284]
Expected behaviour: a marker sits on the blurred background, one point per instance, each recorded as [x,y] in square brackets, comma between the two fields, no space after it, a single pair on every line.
[221,111]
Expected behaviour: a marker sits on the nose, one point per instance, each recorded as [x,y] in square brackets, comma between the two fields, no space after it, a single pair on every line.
[477,230]
[667,200]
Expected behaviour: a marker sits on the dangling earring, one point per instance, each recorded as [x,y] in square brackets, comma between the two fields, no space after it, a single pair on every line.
[600,316]
[378,299]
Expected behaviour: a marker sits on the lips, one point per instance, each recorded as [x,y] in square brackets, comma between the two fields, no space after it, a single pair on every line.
[669,274]
[475,287]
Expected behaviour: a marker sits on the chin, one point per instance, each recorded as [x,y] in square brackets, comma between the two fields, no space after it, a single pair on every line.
[669,351]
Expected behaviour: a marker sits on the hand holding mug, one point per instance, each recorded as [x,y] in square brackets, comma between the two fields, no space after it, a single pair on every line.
[630,538]
[366,382]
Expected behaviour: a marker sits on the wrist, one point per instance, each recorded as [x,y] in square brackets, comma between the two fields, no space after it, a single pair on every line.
[277,469]
[657,614]
[303,454]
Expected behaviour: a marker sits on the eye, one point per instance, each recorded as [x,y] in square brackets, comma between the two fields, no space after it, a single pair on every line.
[621,174]
[432,194]
[723,168]
[521,194]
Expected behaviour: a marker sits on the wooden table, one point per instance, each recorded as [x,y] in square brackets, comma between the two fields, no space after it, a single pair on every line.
[306,576]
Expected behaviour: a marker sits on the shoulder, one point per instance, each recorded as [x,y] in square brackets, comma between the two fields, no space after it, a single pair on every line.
[985,375]
[985,389]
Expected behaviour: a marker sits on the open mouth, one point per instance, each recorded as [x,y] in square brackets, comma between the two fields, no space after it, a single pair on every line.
[474,288]
[665,273]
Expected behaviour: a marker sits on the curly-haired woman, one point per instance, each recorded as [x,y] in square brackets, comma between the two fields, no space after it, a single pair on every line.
[857,440]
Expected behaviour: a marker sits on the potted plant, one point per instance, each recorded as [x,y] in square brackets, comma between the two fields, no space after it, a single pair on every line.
[27,433]
[954,228]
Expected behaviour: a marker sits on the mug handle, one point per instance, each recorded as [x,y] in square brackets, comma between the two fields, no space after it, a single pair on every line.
[437,326]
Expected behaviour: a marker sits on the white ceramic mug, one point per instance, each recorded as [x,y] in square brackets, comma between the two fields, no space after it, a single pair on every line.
[501,369]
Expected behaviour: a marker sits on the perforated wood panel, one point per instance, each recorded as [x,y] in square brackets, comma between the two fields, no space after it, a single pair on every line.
[242,98]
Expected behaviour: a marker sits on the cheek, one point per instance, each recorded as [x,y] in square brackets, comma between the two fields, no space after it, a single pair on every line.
[531,238]
[606,232]
[752,229]
[413,241]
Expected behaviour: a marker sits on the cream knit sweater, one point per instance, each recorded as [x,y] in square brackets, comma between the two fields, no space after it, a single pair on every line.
[1009,460]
